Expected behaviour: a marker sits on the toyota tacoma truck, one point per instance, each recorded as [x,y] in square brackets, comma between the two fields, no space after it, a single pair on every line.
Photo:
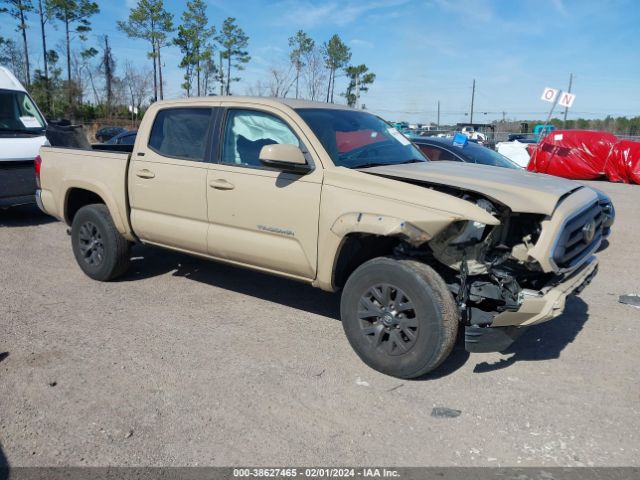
[339,199]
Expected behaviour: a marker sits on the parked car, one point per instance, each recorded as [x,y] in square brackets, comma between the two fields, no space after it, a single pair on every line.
[22,132]
[336,198]
[107,133]
[124,138]
[436,148]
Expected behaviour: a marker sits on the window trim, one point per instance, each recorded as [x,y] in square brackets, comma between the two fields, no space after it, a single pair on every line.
[224,119]
[208,136]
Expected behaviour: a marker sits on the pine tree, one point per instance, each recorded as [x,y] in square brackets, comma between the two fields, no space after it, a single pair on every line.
[192,40]
[359,79]
[302,45]
[18,9]
[336,56]
[233,43]
[149,20]
[75,15]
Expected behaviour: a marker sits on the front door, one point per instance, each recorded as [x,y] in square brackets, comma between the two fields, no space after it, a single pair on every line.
[168,180]
[260,216]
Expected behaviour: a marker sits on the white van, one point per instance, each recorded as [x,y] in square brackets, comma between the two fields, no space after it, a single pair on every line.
[22,132]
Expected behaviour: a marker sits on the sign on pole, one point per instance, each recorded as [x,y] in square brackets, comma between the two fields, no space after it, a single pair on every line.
[550,94]
[566,99]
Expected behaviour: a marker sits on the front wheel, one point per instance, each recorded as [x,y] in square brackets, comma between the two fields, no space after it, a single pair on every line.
[399,316]
[100,250]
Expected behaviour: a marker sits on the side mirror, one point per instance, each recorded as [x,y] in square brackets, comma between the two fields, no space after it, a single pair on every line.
[285,157]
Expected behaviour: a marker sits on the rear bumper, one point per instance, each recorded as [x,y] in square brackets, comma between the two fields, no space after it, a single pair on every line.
[537,307]
[39,200]
[17,200]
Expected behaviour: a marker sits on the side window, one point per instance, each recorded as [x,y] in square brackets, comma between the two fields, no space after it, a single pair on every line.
[247,131]
[432,153]
[447,155]
[181,133]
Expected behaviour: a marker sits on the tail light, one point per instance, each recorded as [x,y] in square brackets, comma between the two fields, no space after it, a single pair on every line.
[37,164]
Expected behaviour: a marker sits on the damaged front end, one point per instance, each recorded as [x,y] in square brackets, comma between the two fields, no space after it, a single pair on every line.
[490,272]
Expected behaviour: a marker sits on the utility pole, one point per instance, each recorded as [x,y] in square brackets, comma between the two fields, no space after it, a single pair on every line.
[438,123]
[473,95]
[357,90]
[566,109]
[503,116]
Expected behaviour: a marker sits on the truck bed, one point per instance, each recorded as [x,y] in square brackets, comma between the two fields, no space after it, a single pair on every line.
[102,172]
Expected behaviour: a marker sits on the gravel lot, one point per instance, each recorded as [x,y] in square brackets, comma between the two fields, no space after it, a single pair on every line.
[187,362]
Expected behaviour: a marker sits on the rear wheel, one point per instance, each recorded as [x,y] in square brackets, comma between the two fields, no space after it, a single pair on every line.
[100,250]
[399,316]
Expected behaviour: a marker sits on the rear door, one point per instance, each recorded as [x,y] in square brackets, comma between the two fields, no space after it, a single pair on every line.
[261,216]
[168,179]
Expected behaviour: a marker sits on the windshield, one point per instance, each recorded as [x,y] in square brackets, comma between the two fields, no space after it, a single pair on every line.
[18,114]
[486,156]
[356,139]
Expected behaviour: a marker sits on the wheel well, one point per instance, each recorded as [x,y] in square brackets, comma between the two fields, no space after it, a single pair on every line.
[78,198]
[357,248]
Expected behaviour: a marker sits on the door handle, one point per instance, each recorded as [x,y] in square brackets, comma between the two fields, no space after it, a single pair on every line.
[221,184]
[144,173]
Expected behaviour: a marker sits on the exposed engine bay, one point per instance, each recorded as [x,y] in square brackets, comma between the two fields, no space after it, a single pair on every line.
[485,266]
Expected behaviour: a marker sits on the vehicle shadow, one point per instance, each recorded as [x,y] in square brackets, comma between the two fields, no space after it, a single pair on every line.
[4,465]
[150,262]
[24,216]
[540,342]
[545,341]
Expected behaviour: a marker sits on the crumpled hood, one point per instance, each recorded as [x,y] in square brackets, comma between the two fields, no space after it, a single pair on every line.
[519,190]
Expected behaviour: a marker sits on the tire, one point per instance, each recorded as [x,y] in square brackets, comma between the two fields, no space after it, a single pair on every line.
[399,316]
[100,250]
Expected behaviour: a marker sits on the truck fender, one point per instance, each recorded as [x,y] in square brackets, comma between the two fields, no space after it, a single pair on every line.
[103,192]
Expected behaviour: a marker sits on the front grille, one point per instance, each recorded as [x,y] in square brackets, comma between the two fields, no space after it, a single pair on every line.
[580,236]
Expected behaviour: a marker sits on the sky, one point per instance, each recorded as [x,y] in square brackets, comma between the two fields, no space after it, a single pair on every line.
[425,51]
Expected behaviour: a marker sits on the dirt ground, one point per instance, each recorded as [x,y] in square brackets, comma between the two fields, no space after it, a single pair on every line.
[187,362]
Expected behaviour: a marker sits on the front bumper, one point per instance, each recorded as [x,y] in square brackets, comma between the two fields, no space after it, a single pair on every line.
[540,306]
[537,307]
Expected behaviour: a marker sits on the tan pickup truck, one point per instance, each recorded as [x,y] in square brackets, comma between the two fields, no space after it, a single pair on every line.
[339,199]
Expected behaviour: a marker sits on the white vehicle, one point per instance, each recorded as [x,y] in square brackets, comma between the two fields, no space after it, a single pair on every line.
[473,135]
[22,133]
[515,151]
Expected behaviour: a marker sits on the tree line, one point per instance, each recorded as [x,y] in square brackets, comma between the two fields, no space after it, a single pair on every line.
[618,125]
[82,80]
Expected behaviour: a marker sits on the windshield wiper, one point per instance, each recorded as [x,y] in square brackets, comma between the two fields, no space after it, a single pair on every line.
[380,164]
[17,130]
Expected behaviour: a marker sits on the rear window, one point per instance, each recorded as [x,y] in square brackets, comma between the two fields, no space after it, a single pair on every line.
[181,133]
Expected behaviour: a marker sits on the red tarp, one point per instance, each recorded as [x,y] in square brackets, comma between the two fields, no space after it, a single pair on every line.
[587,155]
[575,154]
[623,164]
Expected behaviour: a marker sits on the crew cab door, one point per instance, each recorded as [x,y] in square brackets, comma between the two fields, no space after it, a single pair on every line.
[168,179]
[261,216]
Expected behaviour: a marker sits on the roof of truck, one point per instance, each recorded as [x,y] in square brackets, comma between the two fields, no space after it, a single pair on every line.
[290,102]
[8,81]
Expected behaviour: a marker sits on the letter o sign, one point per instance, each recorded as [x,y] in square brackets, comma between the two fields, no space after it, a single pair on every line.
[549,94]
